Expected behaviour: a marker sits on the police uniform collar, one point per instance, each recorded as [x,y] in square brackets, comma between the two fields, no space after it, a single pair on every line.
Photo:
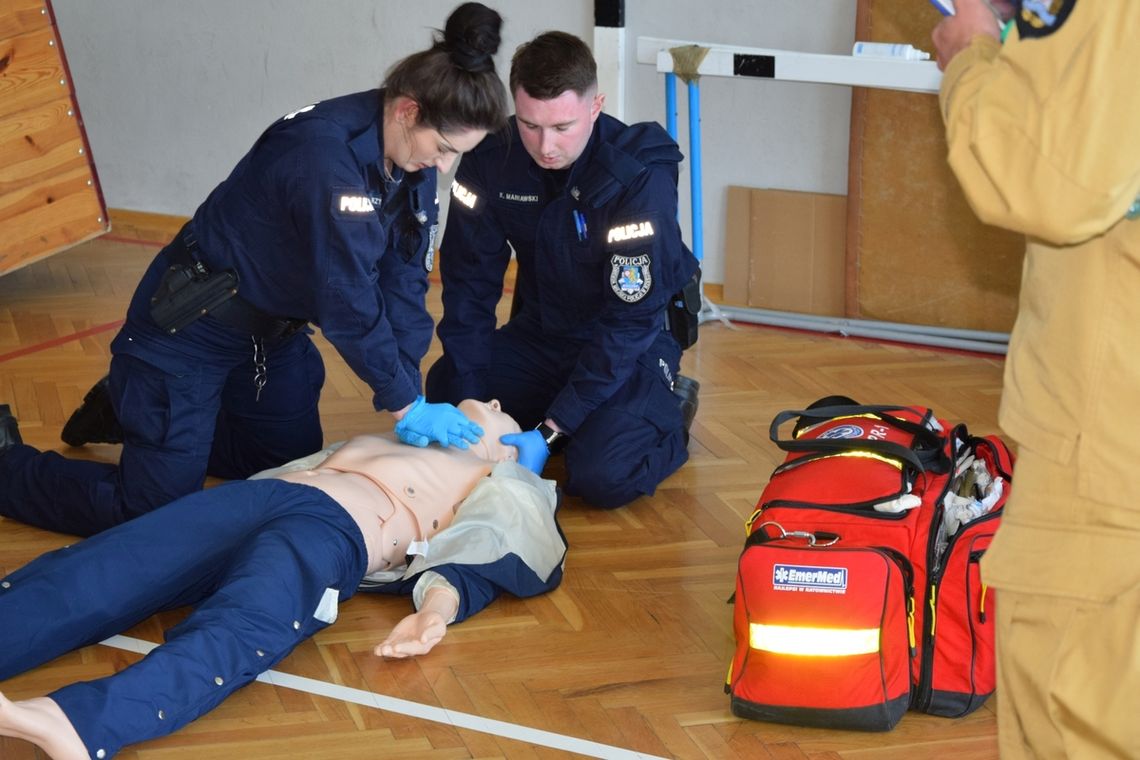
[588,153]
[414,179]
[368,145]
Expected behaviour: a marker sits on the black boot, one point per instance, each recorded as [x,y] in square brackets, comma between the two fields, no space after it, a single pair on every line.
[9,429]
[686,389]
[94,421]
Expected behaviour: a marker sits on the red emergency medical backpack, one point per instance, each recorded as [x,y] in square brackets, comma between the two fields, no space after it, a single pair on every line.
[858,594]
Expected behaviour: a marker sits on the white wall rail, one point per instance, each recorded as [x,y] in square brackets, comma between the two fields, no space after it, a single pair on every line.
[692,60]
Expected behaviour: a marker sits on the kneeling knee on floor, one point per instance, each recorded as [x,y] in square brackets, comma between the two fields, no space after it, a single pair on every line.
[603,485]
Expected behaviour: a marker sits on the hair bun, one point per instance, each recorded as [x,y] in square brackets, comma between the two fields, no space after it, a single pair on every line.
[471,37]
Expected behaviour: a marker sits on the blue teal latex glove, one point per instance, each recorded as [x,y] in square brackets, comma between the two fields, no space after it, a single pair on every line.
[532,449]
[441,423]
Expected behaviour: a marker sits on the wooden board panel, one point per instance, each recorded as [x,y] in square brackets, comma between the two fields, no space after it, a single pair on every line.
[20,16]
[916,253]
[54,216]
[38,143]
[49,191]
[34,73]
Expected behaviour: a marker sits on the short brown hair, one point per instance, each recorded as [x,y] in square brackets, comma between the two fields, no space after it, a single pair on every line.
[551,64]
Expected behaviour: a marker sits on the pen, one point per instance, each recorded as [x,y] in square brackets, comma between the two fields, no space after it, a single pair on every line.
[579,223]
[946,8]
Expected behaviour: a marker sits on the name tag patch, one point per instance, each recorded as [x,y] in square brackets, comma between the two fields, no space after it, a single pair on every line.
[518,197]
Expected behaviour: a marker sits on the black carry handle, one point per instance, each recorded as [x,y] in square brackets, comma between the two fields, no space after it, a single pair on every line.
[926,454]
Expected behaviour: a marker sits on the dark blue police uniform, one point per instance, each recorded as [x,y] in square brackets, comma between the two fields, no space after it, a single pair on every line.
[314,231]
[600,256]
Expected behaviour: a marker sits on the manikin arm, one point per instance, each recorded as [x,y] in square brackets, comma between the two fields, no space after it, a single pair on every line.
[423,629]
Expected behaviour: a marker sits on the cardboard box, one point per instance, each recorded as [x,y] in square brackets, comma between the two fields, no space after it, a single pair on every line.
[785,250]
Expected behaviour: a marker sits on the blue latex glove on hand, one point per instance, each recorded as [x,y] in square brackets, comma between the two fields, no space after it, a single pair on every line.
[532,449]
[441,423]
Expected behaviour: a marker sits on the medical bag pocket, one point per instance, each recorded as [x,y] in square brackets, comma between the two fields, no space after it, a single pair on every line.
[823,632]
[958,670]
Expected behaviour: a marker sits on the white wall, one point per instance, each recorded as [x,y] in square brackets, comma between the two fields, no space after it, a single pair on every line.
[173,93]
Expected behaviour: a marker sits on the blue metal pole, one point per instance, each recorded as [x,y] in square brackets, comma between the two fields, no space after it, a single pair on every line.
[671,104]
[695,169]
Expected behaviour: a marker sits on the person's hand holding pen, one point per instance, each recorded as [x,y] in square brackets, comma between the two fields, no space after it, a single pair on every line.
[970,18]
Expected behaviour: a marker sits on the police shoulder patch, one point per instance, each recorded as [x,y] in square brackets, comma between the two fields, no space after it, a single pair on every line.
[633,232]
[429,252]
[298,112]
[354,204]
[1040,18]
[630,277]
[467,196]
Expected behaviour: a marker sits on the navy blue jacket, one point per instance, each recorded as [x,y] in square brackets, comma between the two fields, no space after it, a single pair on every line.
[315,232]
[599,255]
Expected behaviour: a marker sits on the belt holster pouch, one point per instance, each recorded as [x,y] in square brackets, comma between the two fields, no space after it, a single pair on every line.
[684,312]
[188,292]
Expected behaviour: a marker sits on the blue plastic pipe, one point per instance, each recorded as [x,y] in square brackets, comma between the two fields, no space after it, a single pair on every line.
[695,169]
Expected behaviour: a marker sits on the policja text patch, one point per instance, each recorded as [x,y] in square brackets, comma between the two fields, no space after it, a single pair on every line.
[354,204]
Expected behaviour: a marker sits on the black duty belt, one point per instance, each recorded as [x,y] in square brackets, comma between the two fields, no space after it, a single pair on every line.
[235,312]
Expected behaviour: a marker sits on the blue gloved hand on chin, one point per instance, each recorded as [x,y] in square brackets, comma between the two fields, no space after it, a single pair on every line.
[425,423]
[532,449]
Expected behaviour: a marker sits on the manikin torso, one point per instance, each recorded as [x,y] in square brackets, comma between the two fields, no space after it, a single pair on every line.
[398,493]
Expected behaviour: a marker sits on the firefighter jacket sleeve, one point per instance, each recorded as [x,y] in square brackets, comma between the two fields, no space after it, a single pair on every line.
[1044,131]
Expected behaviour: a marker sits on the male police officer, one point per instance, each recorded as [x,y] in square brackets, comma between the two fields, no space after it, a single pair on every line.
[589,207]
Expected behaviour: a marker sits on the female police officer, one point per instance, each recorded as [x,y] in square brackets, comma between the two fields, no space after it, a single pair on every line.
[330,218]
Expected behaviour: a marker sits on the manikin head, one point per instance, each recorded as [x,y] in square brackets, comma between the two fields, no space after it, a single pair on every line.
[490,416]
[554,81]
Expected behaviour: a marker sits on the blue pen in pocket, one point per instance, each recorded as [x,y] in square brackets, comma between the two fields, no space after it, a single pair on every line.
[579,223]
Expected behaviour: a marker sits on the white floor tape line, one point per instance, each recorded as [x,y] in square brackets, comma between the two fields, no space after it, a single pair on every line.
[417,710]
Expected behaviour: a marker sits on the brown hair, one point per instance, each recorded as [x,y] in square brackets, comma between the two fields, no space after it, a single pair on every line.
[551,64]
[454,81]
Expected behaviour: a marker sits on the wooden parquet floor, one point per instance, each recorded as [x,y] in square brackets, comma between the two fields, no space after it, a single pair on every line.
[630,653]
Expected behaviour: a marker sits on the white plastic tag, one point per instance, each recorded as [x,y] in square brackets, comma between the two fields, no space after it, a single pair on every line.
[327,609]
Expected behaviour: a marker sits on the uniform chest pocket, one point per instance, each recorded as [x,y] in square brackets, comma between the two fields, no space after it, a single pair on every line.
[585,251]
[410,241]
[574,284]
